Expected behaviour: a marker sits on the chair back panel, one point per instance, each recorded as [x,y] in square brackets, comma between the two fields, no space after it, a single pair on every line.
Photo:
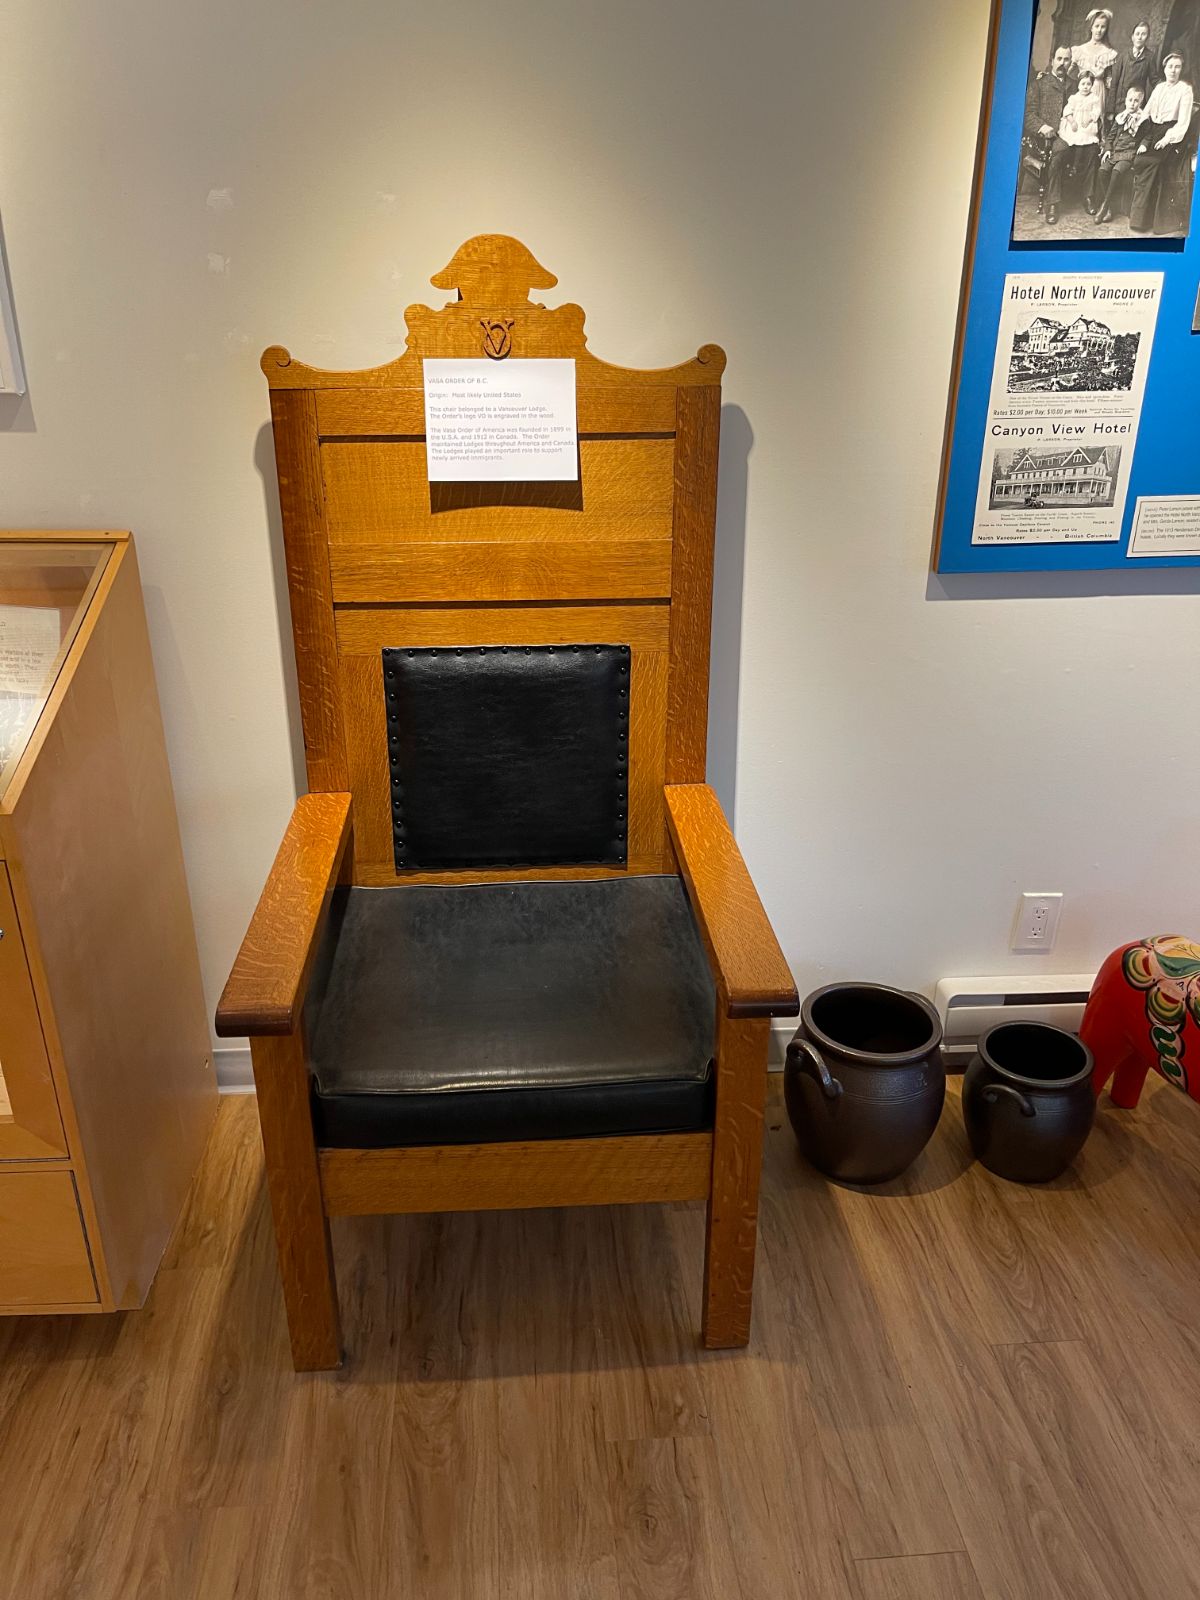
[377,490]
[378,558]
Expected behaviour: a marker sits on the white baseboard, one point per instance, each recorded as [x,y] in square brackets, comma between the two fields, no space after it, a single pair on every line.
[232,1063]
[782,1029]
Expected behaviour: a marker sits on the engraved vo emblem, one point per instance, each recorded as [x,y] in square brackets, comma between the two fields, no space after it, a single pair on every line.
[497,336]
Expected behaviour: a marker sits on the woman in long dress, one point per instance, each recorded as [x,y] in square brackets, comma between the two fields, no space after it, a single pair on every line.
[1095,54]
[1160,186]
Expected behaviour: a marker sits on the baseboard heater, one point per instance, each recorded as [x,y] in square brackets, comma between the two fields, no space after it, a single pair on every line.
[968,1007]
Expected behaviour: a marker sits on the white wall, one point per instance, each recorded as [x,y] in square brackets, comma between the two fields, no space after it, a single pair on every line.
[790,180]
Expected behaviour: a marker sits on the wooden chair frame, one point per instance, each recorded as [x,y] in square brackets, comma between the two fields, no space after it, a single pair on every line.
[669,573]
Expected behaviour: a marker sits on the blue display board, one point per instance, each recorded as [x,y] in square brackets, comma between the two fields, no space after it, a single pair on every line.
[1166,460]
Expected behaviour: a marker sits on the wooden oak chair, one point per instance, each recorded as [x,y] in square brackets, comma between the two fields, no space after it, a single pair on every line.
[508,954]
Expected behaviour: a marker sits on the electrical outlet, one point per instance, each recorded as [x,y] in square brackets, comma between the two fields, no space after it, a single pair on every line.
[1036,927]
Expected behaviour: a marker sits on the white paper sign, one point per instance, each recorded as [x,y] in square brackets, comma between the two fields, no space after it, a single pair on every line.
[500,421]
[1072,353]
[1165,525]
[29,642]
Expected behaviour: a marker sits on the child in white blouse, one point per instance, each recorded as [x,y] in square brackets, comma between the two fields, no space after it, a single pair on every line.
[1081,115]
[1079,130]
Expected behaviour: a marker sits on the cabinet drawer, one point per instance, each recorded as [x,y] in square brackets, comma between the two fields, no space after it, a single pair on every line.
[44,1257]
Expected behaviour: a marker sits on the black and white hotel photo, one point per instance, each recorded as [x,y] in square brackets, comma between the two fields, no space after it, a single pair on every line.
[1110,128]
[1065,354]
[1038,477]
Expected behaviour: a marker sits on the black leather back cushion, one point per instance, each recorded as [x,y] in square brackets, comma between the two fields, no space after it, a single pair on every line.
[508,755]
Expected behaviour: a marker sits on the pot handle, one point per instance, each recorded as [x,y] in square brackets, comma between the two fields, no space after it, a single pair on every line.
[831,1087]
[1025,1103]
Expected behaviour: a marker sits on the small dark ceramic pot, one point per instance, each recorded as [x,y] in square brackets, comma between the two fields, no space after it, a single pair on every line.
[864,1081]
[1027,1100]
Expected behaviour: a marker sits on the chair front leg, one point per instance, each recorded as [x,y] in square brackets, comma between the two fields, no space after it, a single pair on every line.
[741,1068]
[294,1184]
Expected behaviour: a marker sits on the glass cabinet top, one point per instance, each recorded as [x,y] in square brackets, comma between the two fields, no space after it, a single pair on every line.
[44,594]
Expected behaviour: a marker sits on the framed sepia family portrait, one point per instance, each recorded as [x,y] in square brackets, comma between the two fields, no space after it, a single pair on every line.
[1075,388]
[1110,126]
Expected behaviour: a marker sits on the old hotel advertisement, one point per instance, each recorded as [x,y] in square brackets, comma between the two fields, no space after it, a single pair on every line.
[1066,398]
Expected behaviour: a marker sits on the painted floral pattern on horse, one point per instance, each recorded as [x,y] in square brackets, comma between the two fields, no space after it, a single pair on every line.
[1168,969]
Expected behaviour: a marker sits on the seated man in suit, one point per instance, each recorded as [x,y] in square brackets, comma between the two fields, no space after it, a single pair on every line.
[1045,103]
[1116,158]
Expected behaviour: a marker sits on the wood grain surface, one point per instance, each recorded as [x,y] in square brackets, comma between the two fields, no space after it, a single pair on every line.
[731,1237]
[368,630]
[67,536]
[400,412]
[306,553]
[694,528]
[294,1183]
[753,979]
[382,874]
[364,634]
[529,1413]
[97,876]
[493,274]
[43,1249]
[938,1577]
[629,542]
[542,1172]
[473,571]
[266,988]
[537,337]
[379,490]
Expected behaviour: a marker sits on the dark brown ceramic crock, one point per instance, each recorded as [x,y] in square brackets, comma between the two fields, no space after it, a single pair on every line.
[864,1081]
[1027,1100]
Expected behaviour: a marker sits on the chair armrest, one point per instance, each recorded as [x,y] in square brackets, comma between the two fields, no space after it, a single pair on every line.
[752,978]
[266,988]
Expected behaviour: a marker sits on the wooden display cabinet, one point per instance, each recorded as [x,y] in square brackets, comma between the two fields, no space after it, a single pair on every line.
[107,1090]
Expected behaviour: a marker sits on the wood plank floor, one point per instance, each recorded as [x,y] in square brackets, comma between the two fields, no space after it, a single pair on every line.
[958,1389]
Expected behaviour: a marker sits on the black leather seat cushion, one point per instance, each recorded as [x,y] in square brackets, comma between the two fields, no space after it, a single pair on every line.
[512,1011]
